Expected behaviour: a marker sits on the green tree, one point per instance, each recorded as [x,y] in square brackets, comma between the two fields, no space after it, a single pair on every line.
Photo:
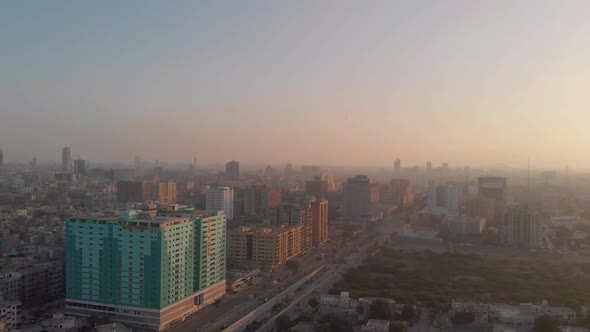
[381,309]
[283,323]
[463,317]
[313,303]
[397,327]
[546,323]
[408,313]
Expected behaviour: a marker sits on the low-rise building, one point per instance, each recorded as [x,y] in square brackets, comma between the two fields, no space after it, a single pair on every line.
[461,225]
[337,304]
[513,315]
[10,314]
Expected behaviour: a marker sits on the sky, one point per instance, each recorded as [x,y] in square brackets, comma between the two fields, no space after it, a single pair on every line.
[308,82]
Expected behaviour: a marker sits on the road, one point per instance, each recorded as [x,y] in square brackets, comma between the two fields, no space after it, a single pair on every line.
[234,306]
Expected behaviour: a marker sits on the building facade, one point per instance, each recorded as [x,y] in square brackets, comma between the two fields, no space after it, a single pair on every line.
[164,192]
[319,221]
[268,248]
[521,227]
[443,200]
[232,170]
[66,160]
[150,273]
[220,199]
[360,194]
[10,314]
[397,192]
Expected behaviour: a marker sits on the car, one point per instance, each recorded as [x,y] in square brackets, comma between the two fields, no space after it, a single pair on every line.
[225,326]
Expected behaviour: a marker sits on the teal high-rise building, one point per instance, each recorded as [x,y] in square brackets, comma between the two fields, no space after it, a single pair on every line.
[146,272]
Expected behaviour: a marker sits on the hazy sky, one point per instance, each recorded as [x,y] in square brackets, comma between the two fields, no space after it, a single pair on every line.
[327,82]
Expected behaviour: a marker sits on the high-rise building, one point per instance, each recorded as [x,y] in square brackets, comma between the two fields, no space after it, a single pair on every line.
[232,170]
[164,192]
[66,160]
[319,221]
[443,199]
[397,166]
[429,166]
[1,158]
[220,199]
[360,195]
[397,192]
[134,191]
[267,248]
[317,187]
[259,198]
[80,167]
[521,227]
[492,187]
[148,273]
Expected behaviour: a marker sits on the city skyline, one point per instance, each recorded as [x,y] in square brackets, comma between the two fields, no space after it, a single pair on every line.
[326,83]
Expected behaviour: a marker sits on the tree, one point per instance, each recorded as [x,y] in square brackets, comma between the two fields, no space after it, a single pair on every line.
[313,303]
[283,323]
[463,317]
[292,265]
[381,309]
[546,323]
[397,327]
[408,313]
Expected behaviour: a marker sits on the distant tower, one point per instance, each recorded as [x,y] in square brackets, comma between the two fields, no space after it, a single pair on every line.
[232,170]
[66,160]
[1,158]
[34,162]
[137,161]
[428,165]
[397,166]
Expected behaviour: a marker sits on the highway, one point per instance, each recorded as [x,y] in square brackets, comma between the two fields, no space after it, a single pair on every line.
[234,306]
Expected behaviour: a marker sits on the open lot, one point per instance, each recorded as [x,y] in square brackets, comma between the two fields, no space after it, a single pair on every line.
[409,277]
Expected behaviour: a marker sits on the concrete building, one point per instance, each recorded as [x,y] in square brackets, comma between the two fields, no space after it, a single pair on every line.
[10,314]
[164,192]
[220,199]
[131,191]
[1,158]
[319,221]
[521,227]
[443,200]
[480,206]
[397,166]
[337,305]
[11,285]
[397,192]
[150,273]
[318,187]
[460,225]
[42,283]
[492,187]
[259,198]
[289,214]
[66,160]
[268,248]
[125,174]
[360,195]
[80,167]
[232,170]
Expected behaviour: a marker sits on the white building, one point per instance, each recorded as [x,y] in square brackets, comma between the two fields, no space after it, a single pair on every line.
[443,200]
[10,314]
[220,199]
[513,315]
[466,225]
[337,304]
[568,222]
